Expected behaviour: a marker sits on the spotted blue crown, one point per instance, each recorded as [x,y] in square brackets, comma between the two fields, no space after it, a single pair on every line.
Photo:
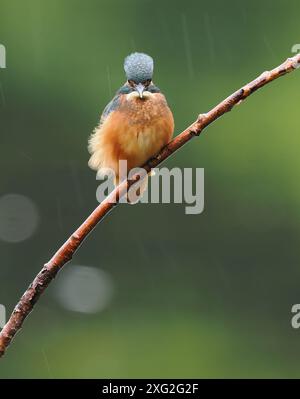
[138,67]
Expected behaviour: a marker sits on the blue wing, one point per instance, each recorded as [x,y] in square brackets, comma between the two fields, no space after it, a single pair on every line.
[111,106]
[115,102]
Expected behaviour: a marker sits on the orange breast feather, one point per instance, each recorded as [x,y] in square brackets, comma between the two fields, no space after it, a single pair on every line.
[135,132]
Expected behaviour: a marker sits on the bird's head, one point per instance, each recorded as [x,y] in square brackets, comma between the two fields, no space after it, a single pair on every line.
[139,70]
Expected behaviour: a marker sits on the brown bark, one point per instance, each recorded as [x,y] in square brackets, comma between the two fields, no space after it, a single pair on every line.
[65,253]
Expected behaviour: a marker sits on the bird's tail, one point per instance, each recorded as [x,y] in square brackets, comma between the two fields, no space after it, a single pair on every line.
[143,186]
[135,194]
[136,191]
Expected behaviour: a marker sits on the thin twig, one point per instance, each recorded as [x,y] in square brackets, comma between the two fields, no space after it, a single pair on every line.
[65,253]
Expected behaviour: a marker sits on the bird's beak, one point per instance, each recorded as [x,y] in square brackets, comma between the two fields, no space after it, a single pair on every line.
[140,89]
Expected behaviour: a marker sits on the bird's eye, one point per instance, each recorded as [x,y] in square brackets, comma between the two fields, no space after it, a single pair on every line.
[131,83]
[147,82]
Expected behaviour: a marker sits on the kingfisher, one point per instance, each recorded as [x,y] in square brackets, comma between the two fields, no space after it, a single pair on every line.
[136,123]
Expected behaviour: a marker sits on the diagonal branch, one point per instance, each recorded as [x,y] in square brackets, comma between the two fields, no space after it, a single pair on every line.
[65,253]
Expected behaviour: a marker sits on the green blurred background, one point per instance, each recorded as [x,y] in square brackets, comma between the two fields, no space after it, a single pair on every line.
[179,295]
